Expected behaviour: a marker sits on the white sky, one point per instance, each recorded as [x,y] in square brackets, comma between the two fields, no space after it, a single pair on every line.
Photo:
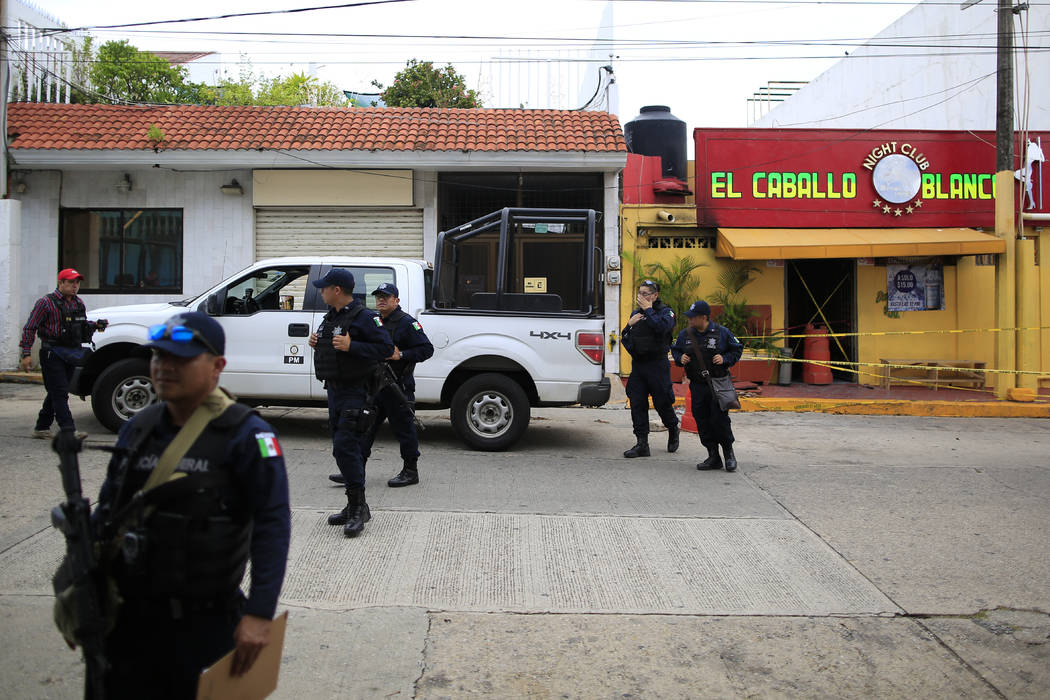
[704,85]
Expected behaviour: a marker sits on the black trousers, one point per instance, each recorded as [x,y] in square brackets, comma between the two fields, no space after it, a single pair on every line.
[712,423]
[57,374]
[650,378]
[388,407]
[153,654]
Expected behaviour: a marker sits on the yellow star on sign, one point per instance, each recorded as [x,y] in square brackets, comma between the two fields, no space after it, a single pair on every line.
[877,203]
[918,203]
[897,212]
[885,210]
[909,209]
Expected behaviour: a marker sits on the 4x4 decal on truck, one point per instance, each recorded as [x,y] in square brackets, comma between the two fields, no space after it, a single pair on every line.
[550,335]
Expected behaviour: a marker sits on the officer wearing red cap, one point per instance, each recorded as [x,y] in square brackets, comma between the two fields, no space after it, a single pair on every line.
[60,319]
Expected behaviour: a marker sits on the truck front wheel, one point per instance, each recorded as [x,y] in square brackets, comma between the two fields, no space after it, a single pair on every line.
[121,391]
[490,412]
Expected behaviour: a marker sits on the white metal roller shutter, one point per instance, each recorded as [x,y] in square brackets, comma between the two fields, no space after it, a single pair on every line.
[310,231]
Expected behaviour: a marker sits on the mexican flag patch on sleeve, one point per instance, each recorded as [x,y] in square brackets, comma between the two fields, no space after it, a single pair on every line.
[415,324]
[268,445]
[379,323]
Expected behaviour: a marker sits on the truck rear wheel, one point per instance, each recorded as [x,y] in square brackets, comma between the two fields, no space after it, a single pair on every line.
[490,412]
[121,391]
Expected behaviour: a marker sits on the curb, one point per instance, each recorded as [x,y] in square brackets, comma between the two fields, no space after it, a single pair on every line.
[942,409]
[22,377]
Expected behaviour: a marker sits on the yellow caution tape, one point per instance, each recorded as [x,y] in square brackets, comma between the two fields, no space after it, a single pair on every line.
[952,331]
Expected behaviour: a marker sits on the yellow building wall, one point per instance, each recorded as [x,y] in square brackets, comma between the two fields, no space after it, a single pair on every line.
[767,287]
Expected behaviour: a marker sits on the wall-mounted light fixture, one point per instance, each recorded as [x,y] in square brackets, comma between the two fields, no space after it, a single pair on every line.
[232,188]
[124,183]
[20,186]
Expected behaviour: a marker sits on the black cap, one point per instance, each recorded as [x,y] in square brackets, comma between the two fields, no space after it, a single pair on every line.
[209,336]
[651,285]
[386,288]
[339,277]
[699,308]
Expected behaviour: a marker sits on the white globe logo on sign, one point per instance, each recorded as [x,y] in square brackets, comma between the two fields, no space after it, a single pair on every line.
[897,178]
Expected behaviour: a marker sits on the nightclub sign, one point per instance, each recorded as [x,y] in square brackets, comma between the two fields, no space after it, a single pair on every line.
[843,178]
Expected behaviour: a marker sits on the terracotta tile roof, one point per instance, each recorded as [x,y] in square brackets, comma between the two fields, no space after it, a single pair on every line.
[34,125]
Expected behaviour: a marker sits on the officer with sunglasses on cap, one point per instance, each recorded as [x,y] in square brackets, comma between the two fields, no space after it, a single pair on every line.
[647,336]
[182,521]
[348,346]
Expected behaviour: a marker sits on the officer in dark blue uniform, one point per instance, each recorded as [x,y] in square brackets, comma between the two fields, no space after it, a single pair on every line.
[720,350]
[411,346]
[348,346]
[184,543]
[647,336]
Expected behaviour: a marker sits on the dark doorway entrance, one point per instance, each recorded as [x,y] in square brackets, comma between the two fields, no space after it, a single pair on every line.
[823,292]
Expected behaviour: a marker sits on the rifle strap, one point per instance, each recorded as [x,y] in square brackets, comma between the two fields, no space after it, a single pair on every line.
[213,406]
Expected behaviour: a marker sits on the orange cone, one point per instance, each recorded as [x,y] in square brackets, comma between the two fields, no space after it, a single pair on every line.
[688,422]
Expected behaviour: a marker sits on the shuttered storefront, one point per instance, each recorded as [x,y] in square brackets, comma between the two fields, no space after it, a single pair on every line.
[338,231]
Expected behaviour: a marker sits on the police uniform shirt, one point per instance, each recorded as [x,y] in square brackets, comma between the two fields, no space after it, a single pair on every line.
[715,340]
[256,463]
[409,338]
[368,339]
[659,321]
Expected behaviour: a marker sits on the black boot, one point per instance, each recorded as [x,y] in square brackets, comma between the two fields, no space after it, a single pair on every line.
[727,450]
[339,518]
[640,449]
[713,461]
[358,513]
[672,438]
[337,478]
[409,475]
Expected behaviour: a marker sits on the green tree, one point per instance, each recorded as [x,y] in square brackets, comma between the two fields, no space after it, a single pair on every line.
[122,72]
[422,85]
[293,90]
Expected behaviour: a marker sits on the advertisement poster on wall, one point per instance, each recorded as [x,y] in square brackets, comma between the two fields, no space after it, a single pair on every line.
[915,285]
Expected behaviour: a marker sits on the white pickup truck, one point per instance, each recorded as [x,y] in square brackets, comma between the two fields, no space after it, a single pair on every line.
[503,342]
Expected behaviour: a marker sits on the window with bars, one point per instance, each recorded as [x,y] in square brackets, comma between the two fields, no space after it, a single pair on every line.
[123,250]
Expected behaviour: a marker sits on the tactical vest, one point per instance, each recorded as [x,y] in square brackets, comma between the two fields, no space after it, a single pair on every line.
[692,369]
[73,328]
[331,364]
[646,342]
[400,367]
[195,530]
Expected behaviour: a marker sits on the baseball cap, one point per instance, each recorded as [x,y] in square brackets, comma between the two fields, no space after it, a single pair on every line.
[651,284]
[699,308]
[337,276]
[70,274]
[188,335]
[386,288]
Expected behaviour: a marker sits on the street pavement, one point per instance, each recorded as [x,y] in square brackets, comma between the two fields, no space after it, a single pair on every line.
[849,556]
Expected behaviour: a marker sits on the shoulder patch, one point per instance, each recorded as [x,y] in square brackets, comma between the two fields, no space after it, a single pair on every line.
[377,321]
[268,445]
[670,311]
[415,324]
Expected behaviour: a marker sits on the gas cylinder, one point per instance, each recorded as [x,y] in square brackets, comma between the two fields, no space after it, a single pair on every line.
[816,348]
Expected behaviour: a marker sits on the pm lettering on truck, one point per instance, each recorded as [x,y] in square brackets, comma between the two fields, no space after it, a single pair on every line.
[486,373]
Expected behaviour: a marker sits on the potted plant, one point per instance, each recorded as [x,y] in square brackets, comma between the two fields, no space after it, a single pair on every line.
[730,309]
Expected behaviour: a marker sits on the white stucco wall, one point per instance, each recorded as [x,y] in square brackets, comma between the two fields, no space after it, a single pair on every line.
[217,231]
[901,87]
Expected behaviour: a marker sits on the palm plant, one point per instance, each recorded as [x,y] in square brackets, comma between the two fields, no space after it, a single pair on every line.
[678,283]
[736,316]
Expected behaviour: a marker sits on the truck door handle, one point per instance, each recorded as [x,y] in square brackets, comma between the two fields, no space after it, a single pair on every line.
[298,330]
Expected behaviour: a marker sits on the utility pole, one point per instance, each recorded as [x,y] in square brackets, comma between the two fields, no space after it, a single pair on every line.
[1006,263]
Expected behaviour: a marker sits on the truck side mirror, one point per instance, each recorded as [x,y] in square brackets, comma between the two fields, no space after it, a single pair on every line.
[212,306]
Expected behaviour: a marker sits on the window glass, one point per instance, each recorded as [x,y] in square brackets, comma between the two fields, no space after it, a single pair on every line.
[123,250]
[275,289]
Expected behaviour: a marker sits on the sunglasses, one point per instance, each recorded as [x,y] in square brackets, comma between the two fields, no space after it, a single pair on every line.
[179,334]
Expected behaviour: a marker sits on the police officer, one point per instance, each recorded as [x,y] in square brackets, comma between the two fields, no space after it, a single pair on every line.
[60,319]
[647,336]
[411,346]
[348,345]
[184,543]
[720,350]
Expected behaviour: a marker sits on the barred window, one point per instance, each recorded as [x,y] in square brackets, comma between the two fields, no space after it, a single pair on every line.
[123,250]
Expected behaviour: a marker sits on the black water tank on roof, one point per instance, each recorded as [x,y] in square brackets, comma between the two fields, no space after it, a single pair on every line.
[657,132]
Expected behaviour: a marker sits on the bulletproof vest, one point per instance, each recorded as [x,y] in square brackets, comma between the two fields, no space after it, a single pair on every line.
[331,364]
[73,328]
[195,531]
[646,342]
[708,348]
[401,367]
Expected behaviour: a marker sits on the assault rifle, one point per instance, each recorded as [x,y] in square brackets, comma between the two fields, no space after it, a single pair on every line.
[385,378]
[77,577]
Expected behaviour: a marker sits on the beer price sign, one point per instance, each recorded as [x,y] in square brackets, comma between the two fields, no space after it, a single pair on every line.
[843,178]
